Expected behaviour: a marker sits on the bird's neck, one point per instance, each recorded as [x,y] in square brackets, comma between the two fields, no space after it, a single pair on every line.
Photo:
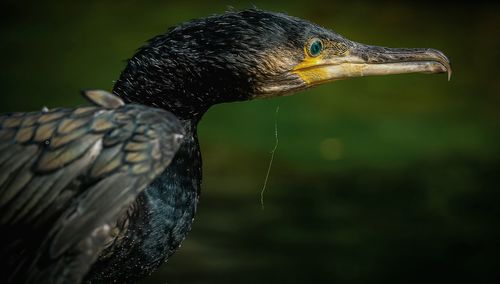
[168,95]
[183,84]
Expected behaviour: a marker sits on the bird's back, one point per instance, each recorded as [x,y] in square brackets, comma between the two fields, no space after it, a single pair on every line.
[66,177]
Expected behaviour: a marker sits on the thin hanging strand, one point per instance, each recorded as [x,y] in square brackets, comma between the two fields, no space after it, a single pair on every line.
[272,158]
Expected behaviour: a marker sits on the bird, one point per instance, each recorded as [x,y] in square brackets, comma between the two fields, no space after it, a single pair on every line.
[106,192]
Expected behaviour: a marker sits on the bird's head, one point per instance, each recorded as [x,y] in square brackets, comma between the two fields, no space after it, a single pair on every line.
[254,54]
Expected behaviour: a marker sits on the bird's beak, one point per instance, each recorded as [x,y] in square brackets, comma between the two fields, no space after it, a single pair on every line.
[357,60]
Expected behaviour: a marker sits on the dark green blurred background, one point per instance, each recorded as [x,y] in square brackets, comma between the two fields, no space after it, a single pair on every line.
[375,180]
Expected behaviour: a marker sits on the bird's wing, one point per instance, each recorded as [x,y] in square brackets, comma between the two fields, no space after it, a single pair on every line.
[67,174]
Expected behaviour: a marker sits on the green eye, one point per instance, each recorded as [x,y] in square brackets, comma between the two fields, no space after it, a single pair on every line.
[315,47]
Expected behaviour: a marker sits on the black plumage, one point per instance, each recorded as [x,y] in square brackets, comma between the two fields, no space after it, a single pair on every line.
[95,193]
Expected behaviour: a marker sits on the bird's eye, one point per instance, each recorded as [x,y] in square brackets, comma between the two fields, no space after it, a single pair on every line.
[315,47]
